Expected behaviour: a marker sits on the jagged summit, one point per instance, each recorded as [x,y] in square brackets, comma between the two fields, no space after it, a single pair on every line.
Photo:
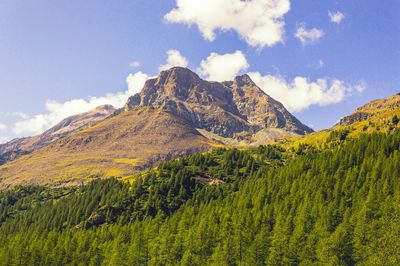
[224,108]
[244,80]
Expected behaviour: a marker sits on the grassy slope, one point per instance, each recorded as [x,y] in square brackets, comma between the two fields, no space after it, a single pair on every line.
[382,112]
[116,147]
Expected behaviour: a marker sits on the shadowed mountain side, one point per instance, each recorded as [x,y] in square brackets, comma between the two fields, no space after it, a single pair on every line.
[118,146]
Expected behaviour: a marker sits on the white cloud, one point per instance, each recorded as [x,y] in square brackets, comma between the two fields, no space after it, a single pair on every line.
[360,87]
[301,93]
[259,22]
[224,67]
[174,59]
[134,64]
[135,83]
[15,114]
[306,36]
[3,126]
[57,111]
[4,139]
[320,64]
[336,17]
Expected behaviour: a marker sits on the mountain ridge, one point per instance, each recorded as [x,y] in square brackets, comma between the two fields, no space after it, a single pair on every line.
[21,146]
[372,108]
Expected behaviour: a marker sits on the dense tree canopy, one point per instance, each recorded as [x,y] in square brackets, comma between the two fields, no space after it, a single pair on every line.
[259,206]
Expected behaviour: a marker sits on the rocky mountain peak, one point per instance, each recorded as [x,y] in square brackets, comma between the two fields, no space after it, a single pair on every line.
[175,82]
[224,108]
[244,80]
[179,76]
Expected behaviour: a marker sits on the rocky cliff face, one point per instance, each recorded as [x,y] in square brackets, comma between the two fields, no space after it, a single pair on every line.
[354,118]
[372,109]
[227,109]
[22,146]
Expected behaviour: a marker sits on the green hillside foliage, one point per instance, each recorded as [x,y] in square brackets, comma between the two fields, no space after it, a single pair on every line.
[335,206]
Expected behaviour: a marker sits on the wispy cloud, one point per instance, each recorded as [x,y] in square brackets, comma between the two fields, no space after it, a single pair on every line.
[336,17]
[308,36]
[134,64]
[15,114]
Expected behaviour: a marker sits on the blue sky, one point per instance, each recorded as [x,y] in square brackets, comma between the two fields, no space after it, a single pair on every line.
[52,52]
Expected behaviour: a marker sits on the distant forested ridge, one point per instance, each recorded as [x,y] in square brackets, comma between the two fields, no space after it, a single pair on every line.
[338,205]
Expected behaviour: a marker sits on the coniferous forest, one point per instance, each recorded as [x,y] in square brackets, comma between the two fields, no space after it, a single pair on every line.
[337,205]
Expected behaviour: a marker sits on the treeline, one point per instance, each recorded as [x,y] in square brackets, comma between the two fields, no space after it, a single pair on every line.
[337,206]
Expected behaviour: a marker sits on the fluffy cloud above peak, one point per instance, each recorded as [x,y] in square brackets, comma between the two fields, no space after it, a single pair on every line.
[301,93]
[259,22]
[308,36]
[224,67]
[174,59]
[336,17]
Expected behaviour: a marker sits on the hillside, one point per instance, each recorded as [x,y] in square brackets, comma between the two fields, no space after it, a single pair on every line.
[175,114]
[22,146]
[116,147]
[381,115]
[336,206]
[373,111]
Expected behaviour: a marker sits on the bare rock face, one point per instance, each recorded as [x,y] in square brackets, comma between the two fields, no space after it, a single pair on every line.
[227,108]
[22,146]
[354,118]
[371,109]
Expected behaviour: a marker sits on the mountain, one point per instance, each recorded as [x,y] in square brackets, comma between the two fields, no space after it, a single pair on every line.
[175,114]
[22,146]
[234,109]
